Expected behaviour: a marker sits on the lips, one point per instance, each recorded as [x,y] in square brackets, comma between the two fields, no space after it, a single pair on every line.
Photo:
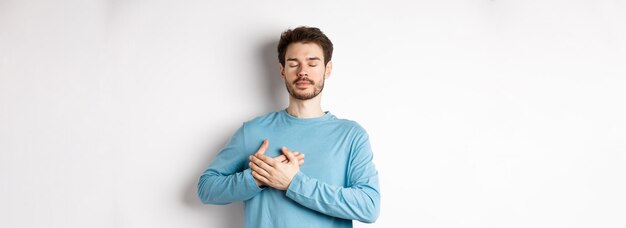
[303,82]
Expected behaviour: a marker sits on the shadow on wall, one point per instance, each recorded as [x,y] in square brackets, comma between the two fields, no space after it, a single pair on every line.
[231,215]
[274,85]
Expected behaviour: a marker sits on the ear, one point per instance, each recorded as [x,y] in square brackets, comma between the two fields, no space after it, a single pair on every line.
[329,68]
[281,68]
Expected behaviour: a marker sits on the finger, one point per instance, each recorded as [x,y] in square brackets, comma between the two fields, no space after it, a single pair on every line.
[261,163]
[258,169]
[300,158]
[280,158]
[284,148]
[283,159]
[263,147]
[270,161]
[260,178]
[290,156]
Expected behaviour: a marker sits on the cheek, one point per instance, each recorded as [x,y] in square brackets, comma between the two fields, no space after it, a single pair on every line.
[291,71]
[321,73]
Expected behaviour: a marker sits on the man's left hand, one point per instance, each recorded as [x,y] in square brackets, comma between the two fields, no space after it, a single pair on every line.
[275,174]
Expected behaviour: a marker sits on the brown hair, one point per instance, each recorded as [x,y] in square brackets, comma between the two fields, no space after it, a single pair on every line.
[304,34]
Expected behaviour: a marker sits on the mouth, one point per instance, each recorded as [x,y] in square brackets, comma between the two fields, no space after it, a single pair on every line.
[303,83]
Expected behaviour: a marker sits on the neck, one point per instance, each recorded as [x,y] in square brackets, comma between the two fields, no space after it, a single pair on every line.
[305,109]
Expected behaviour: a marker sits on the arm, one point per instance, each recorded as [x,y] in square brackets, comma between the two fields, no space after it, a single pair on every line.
[227,180]
[360,200]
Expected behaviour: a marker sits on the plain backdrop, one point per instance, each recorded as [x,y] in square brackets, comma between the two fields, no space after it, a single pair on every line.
[481,113]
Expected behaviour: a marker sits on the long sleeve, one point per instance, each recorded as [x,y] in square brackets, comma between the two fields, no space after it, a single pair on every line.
[227,179]
[359,200]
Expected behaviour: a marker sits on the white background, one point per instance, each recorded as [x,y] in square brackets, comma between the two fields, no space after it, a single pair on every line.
[481,113]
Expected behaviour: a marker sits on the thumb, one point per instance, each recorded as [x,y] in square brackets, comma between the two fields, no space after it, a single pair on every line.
[290,156]
[263,147]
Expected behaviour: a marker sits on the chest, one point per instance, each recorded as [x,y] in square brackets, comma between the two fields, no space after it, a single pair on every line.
[326,152]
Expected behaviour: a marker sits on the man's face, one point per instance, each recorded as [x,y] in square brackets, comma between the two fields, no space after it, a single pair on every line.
[304,71]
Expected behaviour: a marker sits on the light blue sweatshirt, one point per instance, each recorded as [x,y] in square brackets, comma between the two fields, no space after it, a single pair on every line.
[336,184]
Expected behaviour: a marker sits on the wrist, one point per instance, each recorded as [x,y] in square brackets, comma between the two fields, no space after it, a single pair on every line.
[292,180]
[258,183]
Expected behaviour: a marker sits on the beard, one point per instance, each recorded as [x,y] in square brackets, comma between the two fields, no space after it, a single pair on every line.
[317,89]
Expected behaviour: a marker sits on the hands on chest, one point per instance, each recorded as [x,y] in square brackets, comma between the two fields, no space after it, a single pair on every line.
[275,172]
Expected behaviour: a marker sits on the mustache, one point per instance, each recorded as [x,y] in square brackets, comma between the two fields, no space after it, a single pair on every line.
[302,80]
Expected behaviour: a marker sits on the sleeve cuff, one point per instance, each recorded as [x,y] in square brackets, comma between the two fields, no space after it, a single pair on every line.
[296,185]
[247,174]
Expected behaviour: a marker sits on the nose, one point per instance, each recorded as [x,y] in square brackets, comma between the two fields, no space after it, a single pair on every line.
[302,72]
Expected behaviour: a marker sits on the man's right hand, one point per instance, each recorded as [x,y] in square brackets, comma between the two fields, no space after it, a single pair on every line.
[280,158]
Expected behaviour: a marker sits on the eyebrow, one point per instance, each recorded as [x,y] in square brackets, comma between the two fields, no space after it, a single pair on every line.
[309,59]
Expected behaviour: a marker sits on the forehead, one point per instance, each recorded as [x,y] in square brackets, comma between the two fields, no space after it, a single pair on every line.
[304,51]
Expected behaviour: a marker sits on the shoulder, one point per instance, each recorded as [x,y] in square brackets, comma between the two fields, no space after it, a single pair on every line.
[351,125]
[259,125]
[356,136]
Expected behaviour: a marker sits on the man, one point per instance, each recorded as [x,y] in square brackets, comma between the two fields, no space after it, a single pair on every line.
[338,182]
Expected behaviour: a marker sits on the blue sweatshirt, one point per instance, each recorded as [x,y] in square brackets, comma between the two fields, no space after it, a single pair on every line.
[336,184]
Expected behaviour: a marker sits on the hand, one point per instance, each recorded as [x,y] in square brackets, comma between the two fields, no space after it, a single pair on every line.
[276,174]
[281,158]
